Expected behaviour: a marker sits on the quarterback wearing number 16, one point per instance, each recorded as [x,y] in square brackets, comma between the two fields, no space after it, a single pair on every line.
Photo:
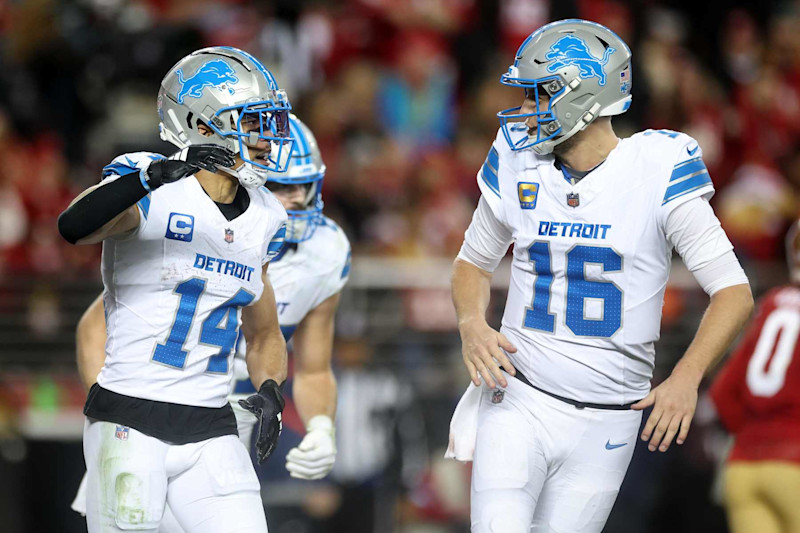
[552,419]
[186,244]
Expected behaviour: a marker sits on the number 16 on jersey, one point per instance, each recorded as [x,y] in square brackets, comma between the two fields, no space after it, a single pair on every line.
[581,292]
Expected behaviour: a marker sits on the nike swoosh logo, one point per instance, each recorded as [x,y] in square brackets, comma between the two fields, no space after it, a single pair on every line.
[610,446]
[692,151]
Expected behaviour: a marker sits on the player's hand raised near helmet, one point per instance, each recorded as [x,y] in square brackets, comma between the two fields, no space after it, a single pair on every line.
[205,156]
[187,162]
[484,352]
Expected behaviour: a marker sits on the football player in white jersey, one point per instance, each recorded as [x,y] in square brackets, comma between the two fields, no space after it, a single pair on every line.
[307,277]
[594,220]
[186,244]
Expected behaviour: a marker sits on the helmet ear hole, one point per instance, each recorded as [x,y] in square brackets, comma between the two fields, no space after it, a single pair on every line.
[203,128]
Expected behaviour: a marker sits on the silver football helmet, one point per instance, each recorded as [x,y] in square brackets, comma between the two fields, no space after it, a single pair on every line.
[582,66]
[305,168]
[238,99]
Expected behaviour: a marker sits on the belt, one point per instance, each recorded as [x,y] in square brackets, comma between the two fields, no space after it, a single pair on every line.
[575,403]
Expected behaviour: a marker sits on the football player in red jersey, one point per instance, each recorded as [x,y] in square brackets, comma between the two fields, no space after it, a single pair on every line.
[757,397]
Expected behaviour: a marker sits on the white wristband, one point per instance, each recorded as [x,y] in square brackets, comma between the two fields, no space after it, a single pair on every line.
[321,422]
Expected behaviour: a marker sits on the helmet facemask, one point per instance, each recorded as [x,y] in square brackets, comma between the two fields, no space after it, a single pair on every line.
[306,169]
[303,222]
[513,122]
[256,122]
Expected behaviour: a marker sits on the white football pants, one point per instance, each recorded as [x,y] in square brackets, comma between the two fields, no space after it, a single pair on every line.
[210,486]
[543,465]
[245,423]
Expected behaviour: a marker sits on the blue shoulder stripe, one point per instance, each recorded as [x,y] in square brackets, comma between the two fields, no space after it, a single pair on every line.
[276,244]
[144,205]
[280,234]
[692,166]
[493,158]
[684,186]
[489,171]
[347,264]
[120,169]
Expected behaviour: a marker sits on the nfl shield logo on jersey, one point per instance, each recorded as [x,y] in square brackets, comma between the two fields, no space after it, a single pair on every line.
[228,235]
[122,433]
[497,396]
[573,200]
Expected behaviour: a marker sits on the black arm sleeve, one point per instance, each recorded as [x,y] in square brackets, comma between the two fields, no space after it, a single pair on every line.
[99,207]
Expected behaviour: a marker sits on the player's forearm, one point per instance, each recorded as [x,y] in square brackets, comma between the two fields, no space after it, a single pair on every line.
[103,211]
[266,348]
[727,313]
[471,291]
[314,394]
[266,358]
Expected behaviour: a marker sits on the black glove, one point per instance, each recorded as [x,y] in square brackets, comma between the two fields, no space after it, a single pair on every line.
[267,404]
[187,162]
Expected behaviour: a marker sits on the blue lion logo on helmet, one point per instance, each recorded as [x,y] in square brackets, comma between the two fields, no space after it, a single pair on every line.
[571,50]
[215,73]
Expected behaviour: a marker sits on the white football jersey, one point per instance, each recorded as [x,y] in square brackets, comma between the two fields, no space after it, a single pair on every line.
[302,279]
[175,287]
[591,260]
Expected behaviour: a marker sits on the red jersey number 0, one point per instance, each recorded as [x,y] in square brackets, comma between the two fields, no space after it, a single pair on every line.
[766,373]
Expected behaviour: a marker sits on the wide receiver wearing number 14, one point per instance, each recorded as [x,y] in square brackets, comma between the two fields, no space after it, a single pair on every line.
[186,244]
[307,277]
[593,220]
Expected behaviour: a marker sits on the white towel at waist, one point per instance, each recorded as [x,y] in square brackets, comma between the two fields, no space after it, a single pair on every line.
[464,426]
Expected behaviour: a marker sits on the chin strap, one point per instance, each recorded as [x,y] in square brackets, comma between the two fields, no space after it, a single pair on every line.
[546,147]
[247,175]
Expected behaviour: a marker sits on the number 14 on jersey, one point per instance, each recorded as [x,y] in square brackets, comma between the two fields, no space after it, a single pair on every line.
[212,332]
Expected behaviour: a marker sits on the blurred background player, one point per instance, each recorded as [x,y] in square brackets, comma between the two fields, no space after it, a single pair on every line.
[757,399]
[593,220]
[186,244]
[307,277]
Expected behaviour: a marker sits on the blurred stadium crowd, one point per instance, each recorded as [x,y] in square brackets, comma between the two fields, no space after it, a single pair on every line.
[402,96]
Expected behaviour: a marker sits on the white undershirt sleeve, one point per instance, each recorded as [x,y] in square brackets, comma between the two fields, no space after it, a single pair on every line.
[696,234]
[486,240]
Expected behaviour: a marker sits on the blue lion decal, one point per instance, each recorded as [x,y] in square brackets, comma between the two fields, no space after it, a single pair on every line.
[215,73]
[571,50]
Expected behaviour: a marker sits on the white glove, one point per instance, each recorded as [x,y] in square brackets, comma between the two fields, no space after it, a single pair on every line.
[315,455]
